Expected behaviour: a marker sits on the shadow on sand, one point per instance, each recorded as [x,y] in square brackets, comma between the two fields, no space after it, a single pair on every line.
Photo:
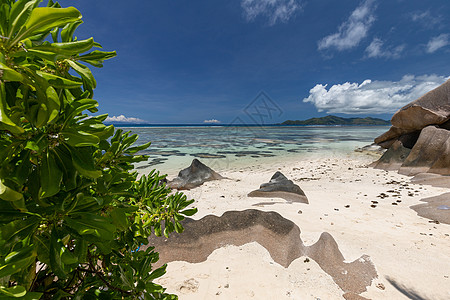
[411,294]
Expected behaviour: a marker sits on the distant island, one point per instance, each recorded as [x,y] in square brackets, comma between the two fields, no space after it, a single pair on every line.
[333,120]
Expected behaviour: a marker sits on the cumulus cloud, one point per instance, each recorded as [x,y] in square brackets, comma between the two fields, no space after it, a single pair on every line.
[212,121]
[353,30]
[372,97]
[438,42]
[376,49]
[273,10]
[123,119]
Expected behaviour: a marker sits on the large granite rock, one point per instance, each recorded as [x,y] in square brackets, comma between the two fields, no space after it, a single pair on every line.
[393,158]
[431,153]
[280,187]
[193,176]
[280,236]
[424,127]
[433,108]
[389,137]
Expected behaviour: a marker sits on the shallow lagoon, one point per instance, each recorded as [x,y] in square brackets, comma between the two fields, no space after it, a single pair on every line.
[222,148]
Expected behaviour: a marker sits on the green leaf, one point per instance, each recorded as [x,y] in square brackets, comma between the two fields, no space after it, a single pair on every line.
[97,57]
[79,138]
[17,261]
[189,212]
[119,218]
[79,106]
[5,121]
[50,56]
[66,48]
[91,224]
[32,146]
[15,291]
[28,296]
[16,231]
[84,72]
[59,82]
[51,175]
[56,249]
[8,74]
[53,103]
[84,163]
[43,248]
[158,273]
[68,30]
[9,194]
[42,19]
[133,150]
[20,12]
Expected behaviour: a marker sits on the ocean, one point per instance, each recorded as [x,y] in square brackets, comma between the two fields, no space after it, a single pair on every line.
[229,147]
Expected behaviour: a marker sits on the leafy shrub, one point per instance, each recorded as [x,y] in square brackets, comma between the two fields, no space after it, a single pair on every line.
[72,212]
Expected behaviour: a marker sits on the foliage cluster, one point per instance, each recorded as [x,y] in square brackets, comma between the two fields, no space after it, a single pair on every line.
[72,212]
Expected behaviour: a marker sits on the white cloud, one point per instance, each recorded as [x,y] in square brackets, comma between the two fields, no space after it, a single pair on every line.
[212,121]
[123,119]
[438,42]
[427,19]
[352,31]
[372,97]
[274,10]
[375,49]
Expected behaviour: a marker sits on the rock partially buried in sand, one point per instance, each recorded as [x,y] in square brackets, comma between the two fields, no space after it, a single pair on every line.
[435,208]
[280,187]
[280,236]
[193,176]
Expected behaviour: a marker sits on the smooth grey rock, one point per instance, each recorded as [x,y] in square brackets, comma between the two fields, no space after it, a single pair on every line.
[193,176]
[433,208]
[431,153]
[280,187]
[393,158]
[433,108]
[280,236]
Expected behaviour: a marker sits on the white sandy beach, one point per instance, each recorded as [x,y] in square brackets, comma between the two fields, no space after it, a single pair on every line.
[408,251]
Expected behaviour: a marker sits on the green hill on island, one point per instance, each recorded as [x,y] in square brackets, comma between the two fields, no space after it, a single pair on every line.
[333,120]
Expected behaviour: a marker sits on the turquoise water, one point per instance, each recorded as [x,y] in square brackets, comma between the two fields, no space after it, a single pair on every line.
[173,148]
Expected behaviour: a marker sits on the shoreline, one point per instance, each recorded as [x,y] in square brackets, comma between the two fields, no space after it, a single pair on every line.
[407,250]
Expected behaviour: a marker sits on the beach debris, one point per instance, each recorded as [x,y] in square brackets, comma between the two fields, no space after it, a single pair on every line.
[381,286]
[280,236]
[193,176]
[280,187]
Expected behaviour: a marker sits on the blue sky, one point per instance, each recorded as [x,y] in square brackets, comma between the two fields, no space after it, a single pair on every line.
[190,61]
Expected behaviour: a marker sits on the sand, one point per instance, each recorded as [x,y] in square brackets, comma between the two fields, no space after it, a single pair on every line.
[410,253]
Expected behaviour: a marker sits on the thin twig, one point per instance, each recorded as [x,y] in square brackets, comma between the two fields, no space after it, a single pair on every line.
[104,280]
